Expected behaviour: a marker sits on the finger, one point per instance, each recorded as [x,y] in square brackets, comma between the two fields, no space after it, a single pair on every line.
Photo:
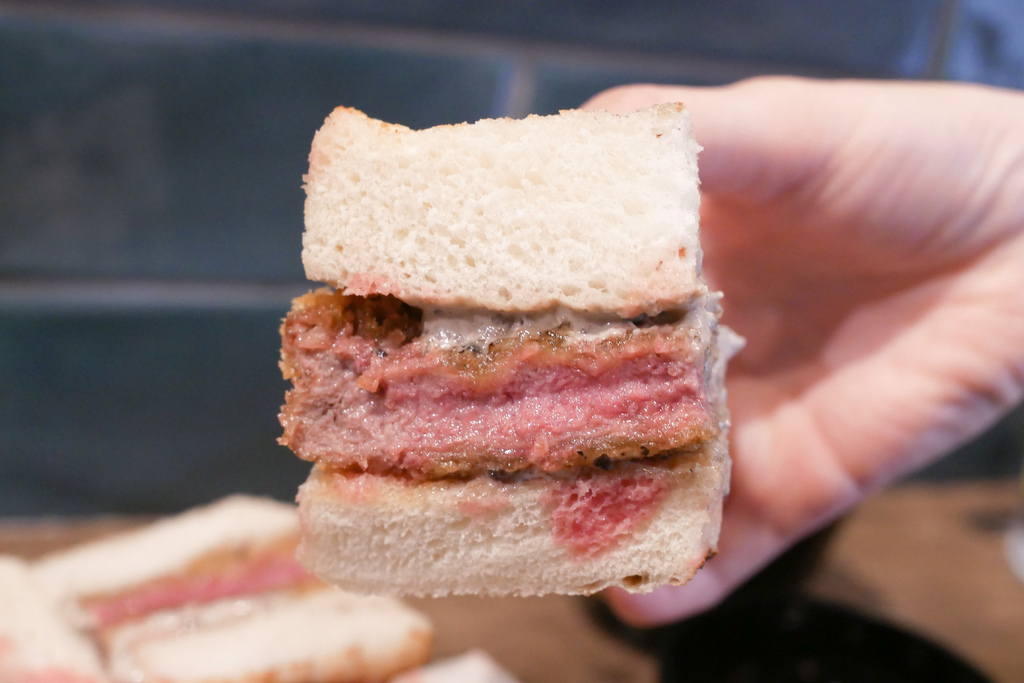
[761,137]
[626,98]
[868,158]
[747,544]
[744,549]
[670,603]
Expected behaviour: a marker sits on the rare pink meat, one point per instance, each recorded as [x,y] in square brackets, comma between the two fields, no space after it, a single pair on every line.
[369,395]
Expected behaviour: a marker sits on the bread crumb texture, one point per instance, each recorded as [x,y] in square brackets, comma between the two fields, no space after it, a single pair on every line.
[588,210]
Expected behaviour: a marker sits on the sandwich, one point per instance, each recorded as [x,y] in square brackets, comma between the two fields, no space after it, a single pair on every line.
[513,381]
[36,644]
[237,546]
[215,595]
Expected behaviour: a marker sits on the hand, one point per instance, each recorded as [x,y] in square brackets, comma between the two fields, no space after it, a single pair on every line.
[869,239]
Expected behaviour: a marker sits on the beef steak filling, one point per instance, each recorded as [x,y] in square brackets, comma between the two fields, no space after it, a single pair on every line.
[372,393]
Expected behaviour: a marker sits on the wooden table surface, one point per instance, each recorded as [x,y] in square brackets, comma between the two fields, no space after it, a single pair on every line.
[931,559]
[928,558]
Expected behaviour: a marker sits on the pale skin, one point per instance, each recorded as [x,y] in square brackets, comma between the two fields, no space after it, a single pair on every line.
[869,239]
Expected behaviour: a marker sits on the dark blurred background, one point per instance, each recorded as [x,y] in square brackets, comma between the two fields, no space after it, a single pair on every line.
[151,156]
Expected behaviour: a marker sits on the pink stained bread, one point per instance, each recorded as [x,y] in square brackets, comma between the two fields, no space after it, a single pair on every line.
[637,528]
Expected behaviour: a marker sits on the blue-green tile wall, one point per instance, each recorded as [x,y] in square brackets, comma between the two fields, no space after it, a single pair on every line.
[151,160]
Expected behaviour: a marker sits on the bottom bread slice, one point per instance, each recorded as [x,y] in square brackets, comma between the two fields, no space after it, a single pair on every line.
[36,644]
[319,635]
[638,526]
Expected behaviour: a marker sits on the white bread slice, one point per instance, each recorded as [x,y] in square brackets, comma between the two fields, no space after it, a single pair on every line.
[588,210]
[156,550]
[35,643]
[475,666]
[318,636]
[479,536]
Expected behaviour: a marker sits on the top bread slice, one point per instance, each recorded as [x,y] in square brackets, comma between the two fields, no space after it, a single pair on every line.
[587,210]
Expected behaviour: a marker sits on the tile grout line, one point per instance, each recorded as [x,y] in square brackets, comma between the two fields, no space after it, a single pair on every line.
[518,89]
[143,295]
[936,67]
[405,40]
